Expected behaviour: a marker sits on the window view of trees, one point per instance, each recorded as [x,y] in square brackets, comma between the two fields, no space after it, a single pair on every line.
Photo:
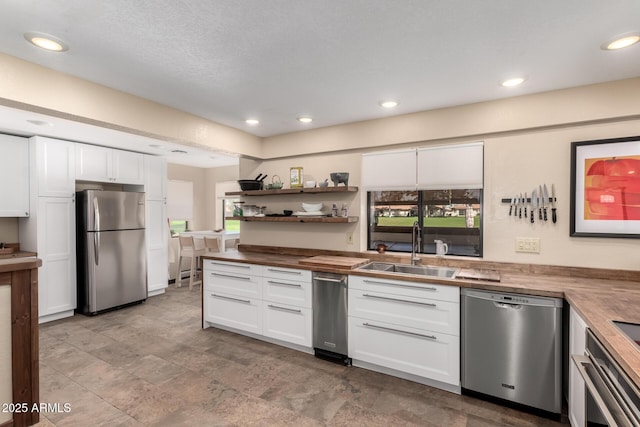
[453,216]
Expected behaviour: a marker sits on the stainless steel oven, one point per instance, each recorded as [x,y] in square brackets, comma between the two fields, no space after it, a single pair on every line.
[612,399]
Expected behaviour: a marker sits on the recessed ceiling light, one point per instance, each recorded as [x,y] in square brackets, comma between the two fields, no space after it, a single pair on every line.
[179,151]
[39,123]
[388,104]
[252,122]
[513,82]
[46,41]
[155,145]
[621,41]
[305,119]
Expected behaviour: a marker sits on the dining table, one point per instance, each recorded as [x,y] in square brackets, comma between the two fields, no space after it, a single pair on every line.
[222,235]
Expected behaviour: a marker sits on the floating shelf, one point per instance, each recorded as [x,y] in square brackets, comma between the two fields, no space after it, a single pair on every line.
[319,219]
[315,190]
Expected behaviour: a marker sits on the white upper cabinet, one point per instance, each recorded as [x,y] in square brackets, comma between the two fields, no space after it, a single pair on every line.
[155,183]
[101,164]
[14,186]
[54,171]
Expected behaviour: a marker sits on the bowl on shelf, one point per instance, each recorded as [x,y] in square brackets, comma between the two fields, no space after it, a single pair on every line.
[250,184]
[340,177]
[287,212]
[312,207]
[309,184]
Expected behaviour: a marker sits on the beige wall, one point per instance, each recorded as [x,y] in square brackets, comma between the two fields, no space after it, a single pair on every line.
[9,230]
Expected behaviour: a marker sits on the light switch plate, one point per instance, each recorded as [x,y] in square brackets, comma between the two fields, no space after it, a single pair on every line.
[528,244]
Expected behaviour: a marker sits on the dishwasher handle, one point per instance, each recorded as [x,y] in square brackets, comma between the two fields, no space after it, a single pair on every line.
[507,305]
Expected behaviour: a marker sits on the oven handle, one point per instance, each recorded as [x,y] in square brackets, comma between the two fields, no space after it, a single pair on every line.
[602,396]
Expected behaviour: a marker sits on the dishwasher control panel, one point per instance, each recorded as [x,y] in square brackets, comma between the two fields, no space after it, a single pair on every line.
[509,298]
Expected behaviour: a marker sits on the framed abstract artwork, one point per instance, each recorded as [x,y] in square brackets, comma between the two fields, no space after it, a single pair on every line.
[605,188]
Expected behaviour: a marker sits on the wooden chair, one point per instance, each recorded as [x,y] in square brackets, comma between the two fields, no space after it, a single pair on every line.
[188,250]
[211,244]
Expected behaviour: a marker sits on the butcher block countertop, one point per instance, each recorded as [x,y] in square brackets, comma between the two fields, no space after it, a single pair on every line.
[597,298]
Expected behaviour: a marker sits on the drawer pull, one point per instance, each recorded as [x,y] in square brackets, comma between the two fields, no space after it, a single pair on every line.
[277,270]
[246,301]
[293,285]
[284,308]
[231,265]
[328,279]
[384,328]
[230,276]
[426,288]
[428,304]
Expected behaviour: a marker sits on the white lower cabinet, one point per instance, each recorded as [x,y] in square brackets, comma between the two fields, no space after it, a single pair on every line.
[577,345]
[400,327]
[287,323]
[268,302]
[234,311]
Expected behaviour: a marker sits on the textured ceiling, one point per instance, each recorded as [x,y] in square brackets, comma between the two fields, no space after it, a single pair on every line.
[275,60]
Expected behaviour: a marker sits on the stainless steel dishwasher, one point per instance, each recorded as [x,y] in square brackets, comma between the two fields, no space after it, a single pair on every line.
[512,348]
[330,317]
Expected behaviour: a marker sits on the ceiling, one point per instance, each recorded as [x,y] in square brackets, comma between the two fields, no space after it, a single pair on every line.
[333,60]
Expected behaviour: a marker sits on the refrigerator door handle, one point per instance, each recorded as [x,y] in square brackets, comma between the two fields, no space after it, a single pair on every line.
[96,214]
[96,247]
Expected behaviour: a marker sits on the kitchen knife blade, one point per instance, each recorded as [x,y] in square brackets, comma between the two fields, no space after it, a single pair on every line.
[534,204]
[554,216]
[513,202]
[545,200]
[540,202]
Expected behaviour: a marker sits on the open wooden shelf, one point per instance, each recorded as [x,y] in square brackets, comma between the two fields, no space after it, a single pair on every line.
[316,190]
[320,219]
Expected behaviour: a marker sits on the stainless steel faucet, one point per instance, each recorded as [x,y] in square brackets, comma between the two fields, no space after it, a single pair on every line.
[416,243]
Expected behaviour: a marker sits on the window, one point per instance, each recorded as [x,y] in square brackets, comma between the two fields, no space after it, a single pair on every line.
[179,205]
[228,208]
[453,216]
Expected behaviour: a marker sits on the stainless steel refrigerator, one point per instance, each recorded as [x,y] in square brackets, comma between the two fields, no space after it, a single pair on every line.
[112,267]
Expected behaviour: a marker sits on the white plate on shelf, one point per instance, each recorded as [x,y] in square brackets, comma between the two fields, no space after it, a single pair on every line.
[302,213]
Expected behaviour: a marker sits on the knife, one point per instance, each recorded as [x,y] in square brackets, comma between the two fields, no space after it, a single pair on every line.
[545,200]
[520,206]
[540,202]
[534,204]
[513,202]
[525,202]
[554,217]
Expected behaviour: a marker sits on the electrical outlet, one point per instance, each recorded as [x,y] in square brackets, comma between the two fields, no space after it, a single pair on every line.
[350,238]
[528,244]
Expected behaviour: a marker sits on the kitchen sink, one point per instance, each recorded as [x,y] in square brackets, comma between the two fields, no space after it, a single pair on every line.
[631,330]
[420,270]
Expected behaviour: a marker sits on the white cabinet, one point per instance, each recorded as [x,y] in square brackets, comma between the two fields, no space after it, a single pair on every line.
[14,188]
[286,311]
[157,240]
[577,344]
[157,227]
[50,231]
[54,173]
[270,303]
[400,327]
[101,164]
[56,246]
[155,182]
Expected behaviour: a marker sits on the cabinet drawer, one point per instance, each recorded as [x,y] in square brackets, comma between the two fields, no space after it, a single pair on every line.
[232,267]
[420,313]
[233,283]
[233,311]
[287,323]
[287,273]
[406,288]
[426,354]
[287,292]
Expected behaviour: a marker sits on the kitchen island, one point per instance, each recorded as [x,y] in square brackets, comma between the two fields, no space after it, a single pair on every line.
[599,296]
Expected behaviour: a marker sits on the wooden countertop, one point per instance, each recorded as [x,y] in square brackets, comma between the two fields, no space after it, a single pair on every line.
[19,263]
[598,300]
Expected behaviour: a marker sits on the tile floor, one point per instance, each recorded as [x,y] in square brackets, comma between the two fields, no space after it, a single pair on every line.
[152,364]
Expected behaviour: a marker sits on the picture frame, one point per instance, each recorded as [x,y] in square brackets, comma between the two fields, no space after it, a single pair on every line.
[296,177]
[605,188]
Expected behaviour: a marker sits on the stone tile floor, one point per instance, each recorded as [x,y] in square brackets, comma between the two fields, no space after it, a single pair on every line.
[152,364]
